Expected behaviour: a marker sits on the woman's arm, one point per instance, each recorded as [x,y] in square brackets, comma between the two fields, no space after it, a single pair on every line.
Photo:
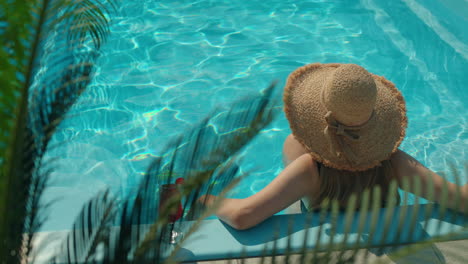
[410,170]
[298,179]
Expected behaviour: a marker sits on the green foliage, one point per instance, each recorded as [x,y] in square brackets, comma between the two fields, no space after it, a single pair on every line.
[14,56]
[24,27]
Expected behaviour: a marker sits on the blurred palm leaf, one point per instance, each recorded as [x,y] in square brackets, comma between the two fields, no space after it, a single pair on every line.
[205,156]
[29,30]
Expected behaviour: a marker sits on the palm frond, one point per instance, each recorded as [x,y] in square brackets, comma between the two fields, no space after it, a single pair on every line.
[24,137]
[14,55]
[205,157]
[100,209]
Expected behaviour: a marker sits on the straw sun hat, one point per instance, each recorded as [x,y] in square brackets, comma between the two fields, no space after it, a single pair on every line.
[346,117]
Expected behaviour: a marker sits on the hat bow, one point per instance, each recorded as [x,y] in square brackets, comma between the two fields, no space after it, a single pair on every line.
[335,132]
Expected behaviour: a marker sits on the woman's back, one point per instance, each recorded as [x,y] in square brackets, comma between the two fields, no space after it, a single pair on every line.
[340,185]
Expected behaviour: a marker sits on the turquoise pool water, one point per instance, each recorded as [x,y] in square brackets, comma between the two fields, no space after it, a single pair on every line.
[168,63]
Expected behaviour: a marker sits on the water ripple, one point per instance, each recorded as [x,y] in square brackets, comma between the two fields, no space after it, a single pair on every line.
[169,63]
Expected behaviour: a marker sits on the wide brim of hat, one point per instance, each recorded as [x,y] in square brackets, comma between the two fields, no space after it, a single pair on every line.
[379,137]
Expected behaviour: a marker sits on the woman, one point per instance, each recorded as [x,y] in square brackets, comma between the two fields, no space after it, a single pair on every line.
[346,127]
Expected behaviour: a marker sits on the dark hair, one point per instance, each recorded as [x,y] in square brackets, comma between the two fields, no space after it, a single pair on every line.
[340,184]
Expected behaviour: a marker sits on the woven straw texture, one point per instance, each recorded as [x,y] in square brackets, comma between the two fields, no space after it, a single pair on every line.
[313,90]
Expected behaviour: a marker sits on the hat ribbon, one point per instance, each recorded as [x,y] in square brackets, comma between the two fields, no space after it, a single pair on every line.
[335,132]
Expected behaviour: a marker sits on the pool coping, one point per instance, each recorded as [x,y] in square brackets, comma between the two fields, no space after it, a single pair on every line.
[214,240]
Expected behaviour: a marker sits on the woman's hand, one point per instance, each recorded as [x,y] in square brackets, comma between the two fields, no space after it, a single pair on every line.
[208,200]
[199,209]
[465,190]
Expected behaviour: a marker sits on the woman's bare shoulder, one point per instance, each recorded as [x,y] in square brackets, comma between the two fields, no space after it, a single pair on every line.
[292,149]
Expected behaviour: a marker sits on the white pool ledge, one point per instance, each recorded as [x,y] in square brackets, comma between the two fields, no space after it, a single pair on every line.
[215,240]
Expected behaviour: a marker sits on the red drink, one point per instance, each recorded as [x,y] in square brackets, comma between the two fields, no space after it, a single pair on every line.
[167,192]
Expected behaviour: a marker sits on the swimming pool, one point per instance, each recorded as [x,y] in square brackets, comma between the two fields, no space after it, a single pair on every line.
[168,63]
